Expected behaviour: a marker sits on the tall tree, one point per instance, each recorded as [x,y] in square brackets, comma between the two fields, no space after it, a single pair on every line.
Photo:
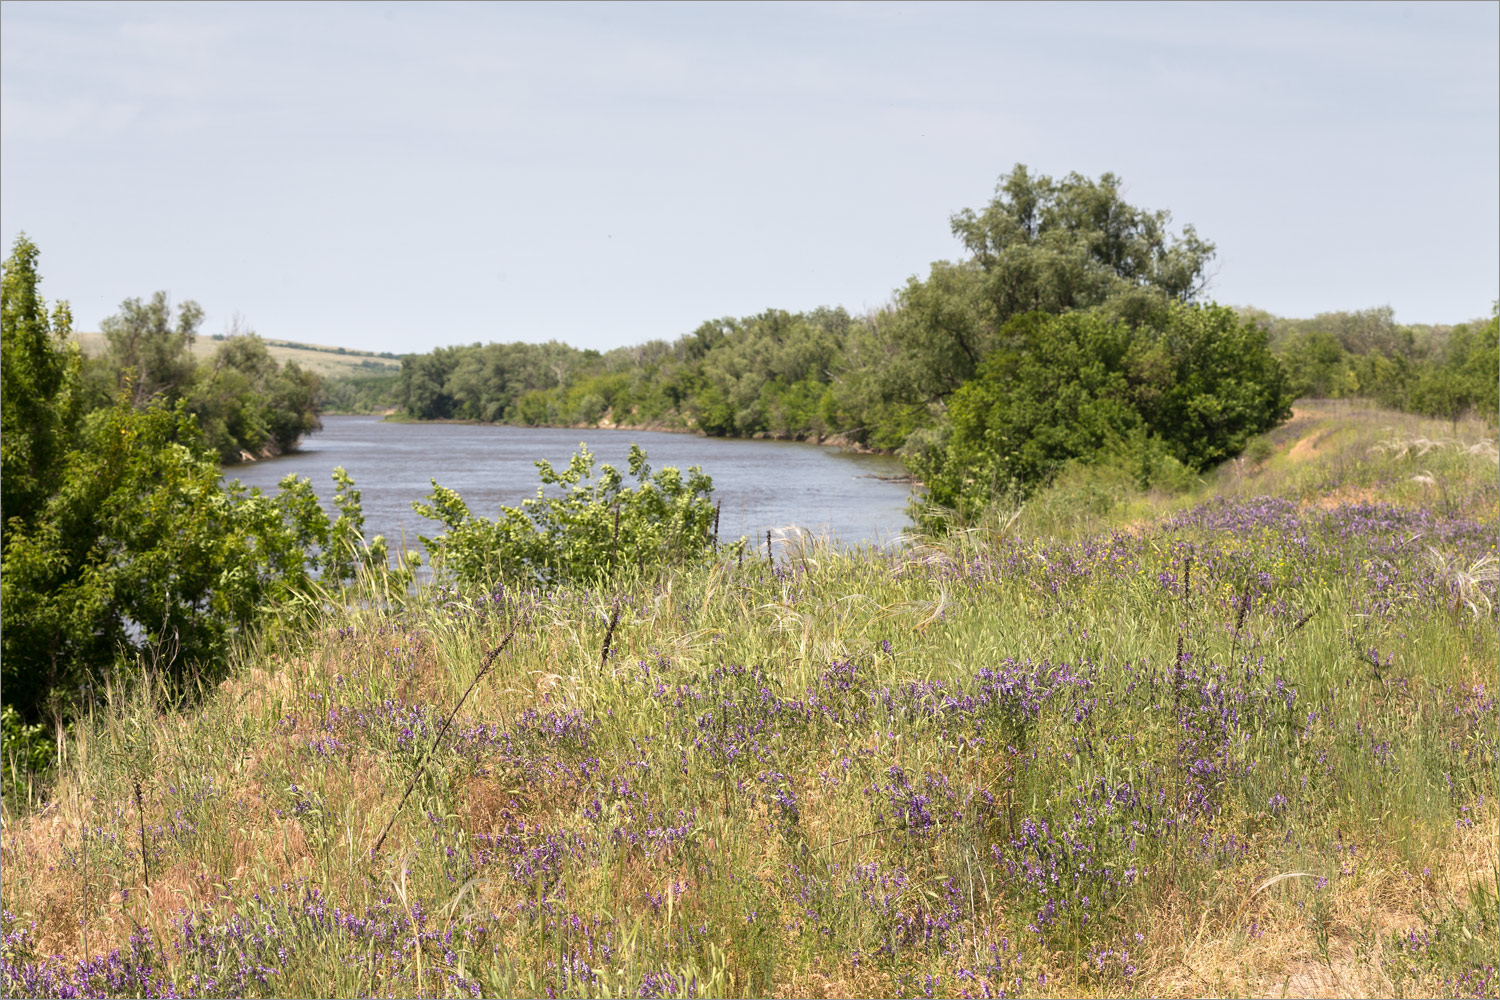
[149,349]
[1076,243]
[248,403]
[40,402]
[1040,245]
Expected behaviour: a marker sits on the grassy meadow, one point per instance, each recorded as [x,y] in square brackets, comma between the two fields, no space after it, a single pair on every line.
[1240,741]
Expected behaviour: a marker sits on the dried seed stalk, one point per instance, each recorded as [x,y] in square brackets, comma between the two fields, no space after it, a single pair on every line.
[484,667]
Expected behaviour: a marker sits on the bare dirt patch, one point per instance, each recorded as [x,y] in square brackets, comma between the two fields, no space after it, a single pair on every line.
[1342,497]
[1307,448]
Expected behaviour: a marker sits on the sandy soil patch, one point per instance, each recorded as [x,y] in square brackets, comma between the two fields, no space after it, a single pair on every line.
[1307,448]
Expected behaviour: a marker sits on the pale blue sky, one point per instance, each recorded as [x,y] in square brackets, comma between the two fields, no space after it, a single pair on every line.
[396,177]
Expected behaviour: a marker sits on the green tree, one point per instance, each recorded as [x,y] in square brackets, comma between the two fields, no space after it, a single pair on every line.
[1222,388]
[944,328]
[124,556]
[119,539]
[1040,245]
[39,389]
[291,394]
[1474,356]
[151,352]
[1465,379]
[248,403]
[1055,391]
[1075,243]
[365,391]
[423,379]
[1318,366]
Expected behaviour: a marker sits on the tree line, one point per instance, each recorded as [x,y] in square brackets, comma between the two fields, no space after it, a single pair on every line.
[1435,371]
[1074,326]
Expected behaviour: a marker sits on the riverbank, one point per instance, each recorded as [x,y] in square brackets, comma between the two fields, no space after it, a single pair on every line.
[839,441]
[267,452]
[270,450]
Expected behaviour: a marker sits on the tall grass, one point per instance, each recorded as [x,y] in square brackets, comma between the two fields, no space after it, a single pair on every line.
[1241,741]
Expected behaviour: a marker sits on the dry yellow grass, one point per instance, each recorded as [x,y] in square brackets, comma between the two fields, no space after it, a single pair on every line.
[1244,922]
[314,357]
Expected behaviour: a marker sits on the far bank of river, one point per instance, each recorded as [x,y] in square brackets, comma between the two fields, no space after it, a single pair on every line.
[838,441]
[761,484]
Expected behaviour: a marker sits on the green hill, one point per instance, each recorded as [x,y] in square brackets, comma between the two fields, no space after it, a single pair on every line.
[326,361]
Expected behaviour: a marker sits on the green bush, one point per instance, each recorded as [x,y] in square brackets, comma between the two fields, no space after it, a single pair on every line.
[119,540]
[25,748]
[582,535]
[1171,397]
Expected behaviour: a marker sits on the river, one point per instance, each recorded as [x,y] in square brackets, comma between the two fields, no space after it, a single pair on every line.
[761,484]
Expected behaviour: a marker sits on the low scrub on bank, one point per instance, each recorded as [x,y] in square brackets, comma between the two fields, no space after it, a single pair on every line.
[1237,740]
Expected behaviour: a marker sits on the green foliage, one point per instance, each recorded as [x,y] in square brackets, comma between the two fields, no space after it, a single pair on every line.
[1039,246]
[1055,392]
[1317,366]
[1181,395]
[119,540]
[25,748]
[1442,372]
[942,329]
[40,404]
[1207,383]
[580,536]
[127,554]
[1466,379]
[150,354]
[1075,243]
[483,382]
[141,551]
[374,391]
[248,403]
[771,374]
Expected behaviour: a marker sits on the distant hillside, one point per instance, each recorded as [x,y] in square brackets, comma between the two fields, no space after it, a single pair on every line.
[326,361]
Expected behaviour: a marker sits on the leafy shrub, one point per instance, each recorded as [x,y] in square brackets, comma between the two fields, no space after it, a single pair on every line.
[579,536]
[1175,396]
[1260,449]
[119,538]
[24,747]
[141,550]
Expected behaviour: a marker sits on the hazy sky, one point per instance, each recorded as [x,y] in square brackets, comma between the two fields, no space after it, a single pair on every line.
[397,177]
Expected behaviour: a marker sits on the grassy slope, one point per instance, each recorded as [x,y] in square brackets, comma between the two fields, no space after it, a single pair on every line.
[1041,759]
[323,360]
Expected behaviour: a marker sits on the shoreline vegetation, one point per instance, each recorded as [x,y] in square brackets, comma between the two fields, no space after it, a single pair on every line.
[1237,741]
[607,424]
[1076,328]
